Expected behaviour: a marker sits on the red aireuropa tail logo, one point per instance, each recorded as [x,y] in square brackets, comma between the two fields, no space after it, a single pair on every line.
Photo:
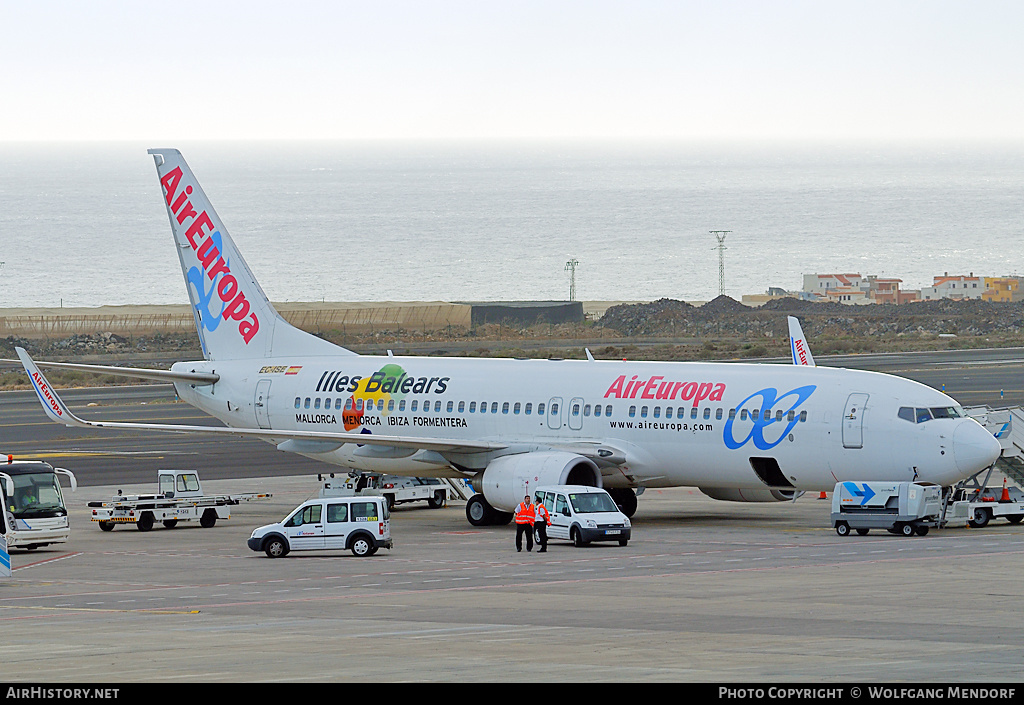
[209,256]
[44,390]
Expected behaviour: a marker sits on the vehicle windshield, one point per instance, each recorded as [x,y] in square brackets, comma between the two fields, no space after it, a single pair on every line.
[591,502]
[36,495]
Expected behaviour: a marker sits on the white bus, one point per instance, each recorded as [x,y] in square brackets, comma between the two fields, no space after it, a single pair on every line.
[34,513]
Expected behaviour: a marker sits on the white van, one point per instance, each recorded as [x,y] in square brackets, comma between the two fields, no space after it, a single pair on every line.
[583,514]
[359,524]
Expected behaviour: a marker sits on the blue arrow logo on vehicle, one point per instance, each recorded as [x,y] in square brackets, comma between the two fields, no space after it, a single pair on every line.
[867,493]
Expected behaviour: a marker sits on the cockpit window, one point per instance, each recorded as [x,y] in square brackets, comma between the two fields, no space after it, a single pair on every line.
[936,412]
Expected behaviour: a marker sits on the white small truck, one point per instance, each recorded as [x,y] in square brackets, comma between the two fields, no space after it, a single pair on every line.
[180,498]
[395,489]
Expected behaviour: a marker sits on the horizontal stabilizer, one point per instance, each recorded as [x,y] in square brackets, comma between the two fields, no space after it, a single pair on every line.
[197,378]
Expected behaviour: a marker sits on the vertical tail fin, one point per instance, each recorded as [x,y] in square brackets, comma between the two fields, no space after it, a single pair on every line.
[798,344]
[233,316]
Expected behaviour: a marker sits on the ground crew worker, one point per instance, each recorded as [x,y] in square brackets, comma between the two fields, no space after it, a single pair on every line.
[540,523]
[524,524]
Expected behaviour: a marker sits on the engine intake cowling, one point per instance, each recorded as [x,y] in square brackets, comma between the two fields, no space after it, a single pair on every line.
[507,479]
[732,494]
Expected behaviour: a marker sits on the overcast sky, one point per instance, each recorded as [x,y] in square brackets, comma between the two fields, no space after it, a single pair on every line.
[687,69]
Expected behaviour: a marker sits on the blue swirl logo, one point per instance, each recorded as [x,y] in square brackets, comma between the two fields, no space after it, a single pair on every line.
[762,421]
[209,320]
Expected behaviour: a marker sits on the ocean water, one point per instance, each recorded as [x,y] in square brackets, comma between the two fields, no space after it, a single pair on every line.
[84,224]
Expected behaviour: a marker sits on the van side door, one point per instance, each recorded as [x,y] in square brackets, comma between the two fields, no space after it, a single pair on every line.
[338,525]
[305,528]
[560,523]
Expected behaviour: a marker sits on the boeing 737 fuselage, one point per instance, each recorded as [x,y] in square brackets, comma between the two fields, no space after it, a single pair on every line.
[743,432]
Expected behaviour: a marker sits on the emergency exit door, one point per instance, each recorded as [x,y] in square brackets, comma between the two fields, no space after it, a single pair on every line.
[853,420]
[260,403]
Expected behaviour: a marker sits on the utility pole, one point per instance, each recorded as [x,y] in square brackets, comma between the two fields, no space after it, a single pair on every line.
[720,236]
[570,267]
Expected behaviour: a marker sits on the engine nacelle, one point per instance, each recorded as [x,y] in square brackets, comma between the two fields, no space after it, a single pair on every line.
[731,494]
[507,479]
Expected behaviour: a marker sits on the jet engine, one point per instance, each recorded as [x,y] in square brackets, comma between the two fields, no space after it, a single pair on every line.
[507,479]
[730,494]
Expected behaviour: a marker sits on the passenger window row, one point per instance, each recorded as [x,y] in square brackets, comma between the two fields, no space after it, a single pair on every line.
[706,413]
[461,407]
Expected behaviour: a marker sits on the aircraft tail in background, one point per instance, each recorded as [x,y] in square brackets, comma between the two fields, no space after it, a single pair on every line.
[798,344]
[233,316]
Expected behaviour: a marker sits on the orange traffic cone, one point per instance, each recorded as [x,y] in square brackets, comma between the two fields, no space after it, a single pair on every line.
[1006,493]
[822,495]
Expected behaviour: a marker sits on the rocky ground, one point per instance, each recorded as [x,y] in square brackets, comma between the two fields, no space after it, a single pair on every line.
[666,329]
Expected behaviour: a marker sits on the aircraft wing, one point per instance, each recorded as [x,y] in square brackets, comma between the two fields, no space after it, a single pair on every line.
[798,344]
[323,441]
[197,378]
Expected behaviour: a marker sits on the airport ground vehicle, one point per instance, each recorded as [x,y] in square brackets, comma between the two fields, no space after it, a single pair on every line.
[358,524]
[980,506]
[583,514]
[395,489]
[904,508]
[34,513]
[180,497]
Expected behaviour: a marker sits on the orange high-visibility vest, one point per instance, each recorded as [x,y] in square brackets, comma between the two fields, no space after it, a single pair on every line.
[524,513]
[543,514]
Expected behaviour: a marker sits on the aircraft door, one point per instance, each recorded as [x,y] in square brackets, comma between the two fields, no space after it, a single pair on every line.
[853,420]
[261,403]
[555,413]
[576,414]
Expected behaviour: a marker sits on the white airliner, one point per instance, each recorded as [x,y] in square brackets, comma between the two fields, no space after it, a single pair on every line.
[741,432]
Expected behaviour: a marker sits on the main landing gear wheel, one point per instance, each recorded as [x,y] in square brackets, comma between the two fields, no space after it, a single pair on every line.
[626,500]
[479,512]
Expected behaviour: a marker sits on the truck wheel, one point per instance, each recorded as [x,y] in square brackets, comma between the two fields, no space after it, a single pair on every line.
[171,523]
[361,546]
[577,538]
[107,525]
[922,531]
[906,529]
[843,529]
[437,501]
[145,522]
[863,532]
[980,519]
[1015,518]
[623,542]
[208,519]
[275,547]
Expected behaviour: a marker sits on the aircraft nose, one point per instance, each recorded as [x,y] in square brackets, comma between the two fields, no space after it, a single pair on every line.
[974,448]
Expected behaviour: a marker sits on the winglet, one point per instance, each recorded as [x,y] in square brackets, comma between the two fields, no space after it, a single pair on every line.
[52,404]
[798,344]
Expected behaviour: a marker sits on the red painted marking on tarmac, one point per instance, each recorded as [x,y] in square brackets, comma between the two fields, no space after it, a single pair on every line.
[47,560]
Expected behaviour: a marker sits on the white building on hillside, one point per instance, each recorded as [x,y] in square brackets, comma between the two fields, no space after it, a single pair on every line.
[954,287]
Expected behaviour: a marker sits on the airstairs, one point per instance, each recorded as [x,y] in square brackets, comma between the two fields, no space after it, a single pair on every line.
[1007,425]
